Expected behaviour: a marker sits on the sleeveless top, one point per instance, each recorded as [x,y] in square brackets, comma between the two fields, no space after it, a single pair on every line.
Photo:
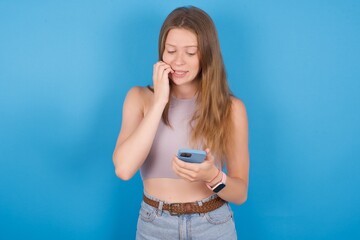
[168,140]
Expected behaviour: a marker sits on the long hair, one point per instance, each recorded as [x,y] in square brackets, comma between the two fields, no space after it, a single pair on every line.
[212,126]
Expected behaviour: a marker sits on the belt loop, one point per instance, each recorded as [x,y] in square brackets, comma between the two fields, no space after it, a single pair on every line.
[200,203]
[160,207]
[161,204]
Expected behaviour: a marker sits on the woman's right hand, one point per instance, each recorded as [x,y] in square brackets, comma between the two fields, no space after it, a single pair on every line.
[161,81]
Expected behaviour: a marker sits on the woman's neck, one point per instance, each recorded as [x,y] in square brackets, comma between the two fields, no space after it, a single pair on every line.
[184,91]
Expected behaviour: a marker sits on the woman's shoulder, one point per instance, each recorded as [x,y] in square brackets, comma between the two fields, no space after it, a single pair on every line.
[238,108]
[140,92]
[139,96]
[237,104]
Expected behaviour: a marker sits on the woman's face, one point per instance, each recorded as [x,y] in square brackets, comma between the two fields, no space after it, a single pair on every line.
[181,53]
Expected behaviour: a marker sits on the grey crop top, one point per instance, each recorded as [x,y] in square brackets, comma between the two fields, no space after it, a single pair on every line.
[158,163]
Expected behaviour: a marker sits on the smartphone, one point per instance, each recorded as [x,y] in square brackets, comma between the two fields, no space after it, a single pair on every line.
[191,155]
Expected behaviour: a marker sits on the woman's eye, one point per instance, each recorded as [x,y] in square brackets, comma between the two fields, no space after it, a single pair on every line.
[191,54]
[171,52]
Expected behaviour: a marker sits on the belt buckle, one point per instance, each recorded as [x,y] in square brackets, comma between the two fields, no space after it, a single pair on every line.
[172,213]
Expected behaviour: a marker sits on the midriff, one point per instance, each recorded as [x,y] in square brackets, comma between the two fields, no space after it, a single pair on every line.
[176,190]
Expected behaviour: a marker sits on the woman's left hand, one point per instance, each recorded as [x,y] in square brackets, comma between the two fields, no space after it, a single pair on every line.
[195,172]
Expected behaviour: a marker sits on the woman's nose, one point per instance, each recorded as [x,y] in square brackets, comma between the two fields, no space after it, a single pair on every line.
[179,59]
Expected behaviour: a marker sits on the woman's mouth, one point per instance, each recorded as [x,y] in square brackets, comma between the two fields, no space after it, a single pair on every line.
[179,74]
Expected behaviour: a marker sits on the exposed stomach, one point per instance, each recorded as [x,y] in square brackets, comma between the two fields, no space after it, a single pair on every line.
[176,190]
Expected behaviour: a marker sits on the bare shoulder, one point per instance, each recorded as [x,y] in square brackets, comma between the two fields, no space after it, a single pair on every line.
[137,92]
[138,96]
[238,108]
[138,100]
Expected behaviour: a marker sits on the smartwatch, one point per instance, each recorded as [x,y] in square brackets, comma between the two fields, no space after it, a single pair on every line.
[219,186]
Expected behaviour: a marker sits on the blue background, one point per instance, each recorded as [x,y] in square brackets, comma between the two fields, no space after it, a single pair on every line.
[65,67]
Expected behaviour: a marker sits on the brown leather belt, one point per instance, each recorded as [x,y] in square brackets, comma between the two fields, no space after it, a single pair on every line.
[188,207]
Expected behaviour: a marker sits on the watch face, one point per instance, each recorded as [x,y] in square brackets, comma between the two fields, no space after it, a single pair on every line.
[219,187]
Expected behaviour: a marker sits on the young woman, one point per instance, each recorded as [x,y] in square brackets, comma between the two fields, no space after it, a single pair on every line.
[188,106]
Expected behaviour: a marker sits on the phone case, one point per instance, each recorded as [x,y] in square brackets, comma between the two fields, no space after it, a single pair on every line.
[191,155]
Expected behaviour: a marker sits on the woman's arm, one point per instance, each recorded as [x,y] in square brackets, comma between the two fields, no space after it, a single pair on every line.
[136,135]
[237,157]
[138,128]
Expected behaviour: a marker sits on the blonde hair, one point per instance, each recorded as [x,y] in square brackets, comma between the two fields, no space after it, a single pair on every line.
[212,126]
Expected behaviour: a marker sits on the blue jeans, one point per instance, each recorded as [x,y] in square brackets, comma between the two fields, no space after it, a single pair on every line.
[154,223]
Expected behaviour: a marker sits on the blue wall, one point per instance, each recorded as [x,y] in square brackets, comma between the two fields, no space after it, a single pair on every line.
[65,67]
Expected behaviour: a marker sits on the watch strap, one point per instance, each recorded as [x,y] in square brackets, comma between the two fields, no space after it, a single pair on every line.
[222,182]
